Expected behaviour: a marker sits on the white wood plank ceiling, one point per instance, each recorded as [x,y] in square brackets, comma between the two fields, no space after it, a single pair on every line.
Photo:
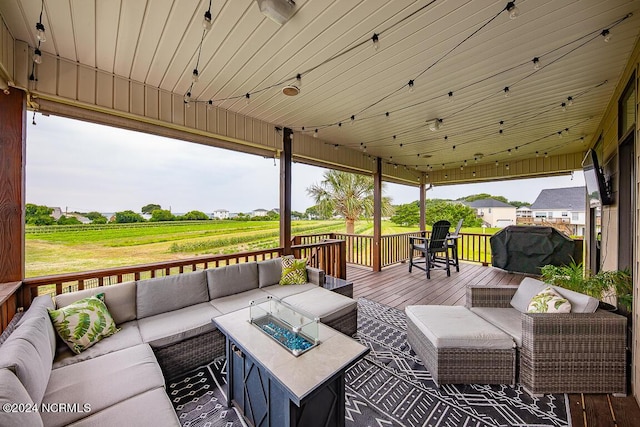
[443,45]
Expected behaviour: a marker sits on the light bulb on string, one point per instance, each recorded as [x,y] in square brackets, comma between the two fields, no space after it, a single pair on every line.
[195,76]
[315,133]
[461,167]
[299,81]
[559,134]
[40,33]
[37,56]
[474,173]
[564,106]
[335,147]
[387,115]
[376,41]
[497,163]
[607,35]
[536,63]
[353,118]
[501,124]
[210,105]
[513,10]
[506,166]
[410,84]
[570,101]
[451,99]
[509,151]
[187,98]
[247,98]
[546,154]
[537,154]
[506,91]
[207,21]
[566,131]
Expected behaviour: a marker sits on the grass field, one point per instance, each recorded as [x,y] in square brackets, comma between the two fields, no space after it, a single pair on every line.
[52,250]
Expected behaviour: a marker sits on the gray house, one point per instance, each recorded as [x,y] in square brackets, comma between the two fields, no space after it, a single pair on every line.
[562,206]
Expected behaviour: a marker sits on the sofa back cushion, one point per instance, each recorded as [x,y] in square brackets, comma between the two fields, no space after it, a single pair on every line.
[232,279]
[120,300]
[163,294]
[270,271]
[27,352]
[13,392]
[529,287]
[40,308]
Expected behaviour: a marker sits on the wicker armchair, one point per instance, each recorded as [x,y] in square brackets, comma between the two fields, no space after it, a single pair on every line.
[564,353]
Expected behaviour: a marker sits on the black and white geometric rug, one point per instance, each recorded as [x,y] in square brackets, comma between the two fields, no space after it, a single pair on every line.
[389,387]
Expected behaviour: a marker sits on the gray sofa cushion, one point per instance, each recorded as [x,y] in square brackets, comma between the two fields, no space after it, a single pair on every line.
[175,326]
[527,289]
[237,301]
[40,308]
[120,300]
[507,319]
[322,303]
[269,272]
[102,382]
[12,391]
[232,279]
[163,294]
[27,352]
[282,292]
[580,303]
[129,336]
[151,408]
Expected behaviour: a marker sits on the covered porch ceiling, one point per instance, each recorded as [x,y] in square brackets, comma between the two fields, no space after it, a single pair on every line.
[471,50]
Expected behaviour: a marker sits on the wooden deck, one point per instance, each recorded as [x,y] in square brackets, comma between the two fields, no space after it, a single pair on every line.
[396,287]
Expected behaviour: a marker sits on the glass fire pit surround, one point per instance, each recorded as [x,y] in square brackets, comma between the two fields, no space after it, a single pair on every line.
[294,330]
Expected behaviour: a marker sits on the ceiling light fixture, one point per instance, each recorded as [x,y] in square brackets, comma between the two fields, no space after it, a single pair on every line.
[40,35]
[37,56]
[279,11]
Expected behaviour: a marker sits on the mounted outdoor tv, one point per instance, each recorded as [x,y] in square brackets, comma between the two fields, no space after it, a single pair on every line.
[597,186]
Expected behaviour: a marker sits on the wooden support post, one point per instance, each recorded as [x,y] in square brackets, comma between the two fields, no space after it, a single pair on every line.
[285,192]
[377,216]
[423,190]
[13,116]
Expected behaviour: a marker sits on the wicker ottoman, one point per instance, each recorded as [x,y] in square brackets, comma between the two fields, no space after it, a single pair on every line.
[459,347]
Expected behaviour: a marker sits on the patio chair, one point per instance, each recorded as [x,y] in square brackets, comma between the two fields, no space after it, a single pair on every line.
[434,249]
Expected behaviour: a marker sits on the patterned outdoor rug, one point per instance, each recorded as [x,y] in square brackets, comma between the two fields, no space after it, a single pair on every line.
[389,387]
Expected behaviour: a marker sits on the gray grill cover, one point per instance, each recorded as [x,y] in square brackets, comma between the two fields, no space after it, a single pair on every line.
[525,249]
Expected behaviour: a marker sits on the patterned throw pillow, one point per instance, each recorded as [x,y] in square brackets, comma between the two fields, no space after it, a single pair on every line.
[549,301]
[294,271]
[83,323]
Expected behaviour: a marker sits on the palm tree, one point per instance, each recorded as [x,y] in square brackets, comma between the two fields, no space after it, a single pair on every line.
[347,194]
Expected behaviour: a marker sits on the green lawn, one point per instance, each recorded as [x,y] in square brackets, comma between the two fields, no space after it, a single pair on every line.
[56,249]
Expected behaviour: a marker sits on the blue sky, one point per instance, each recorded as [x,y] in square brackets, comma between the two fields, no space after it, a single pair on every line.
[88,167]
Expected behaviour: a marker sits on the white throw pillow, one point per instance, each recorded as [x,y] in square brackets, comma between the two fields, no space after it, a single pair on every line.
[549,301]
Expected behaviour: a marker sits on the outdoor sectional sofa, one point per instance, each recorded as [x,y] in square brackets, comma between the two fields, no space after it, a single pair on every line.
[494,340]
[166,329]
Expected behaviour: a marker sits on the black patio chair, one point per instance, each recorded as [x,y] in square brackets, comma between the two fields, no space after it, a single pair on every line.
[434,249]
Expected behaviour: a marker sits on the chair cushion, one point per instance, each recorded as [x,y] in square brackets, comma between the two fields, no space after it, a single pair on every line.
[294,271]
[101,383]
[232,279]
[549,301]
[238,301]
[120,300]
[270,271]
[174,326]
[27,352]
[507,319]
[322,303]
[129,336]
[457,327]
[83,323]
[527,289]
[168,293]
[13,392]
[580,303]
[40,308]
[151,408]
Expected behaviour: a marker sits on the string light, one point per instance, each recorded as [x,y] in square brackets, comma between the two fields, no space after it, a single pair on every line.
[506,166]
[474,173]
[335,147]
[376,41]
[509,151]
[497,163]
[513,10]
[559,134]
[387,115]
[501,124]
[40,34]
[450,96]
[353,118]
[410,84]
[506,91]
[299,81]
[195,76]
[607,35]
[546,154]
[536,63]
[570,101]
[537,154]
[564,106]
[37,56]
[315,133]
[207,21]
[210,105]
[247,98]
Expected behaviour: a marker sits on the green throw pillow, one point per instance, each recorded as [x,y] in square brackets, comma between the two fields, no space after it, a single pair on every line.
[549,301]
[294,271]
[83,323]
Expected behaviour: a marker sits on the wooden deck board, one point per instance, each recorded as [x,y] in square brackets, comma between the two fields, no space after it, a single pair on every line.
[396,287]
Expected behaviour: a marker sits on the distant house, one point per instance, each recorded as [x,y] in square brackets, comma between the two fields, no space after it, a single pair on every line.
[562,206]
[494,213]
[259,212]
[57,213]
[220,214]
[523,212]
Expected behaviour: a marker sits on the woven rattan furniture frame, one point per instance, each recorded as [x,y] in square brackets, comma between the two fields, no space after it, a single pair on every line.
[565,353]
[463,365]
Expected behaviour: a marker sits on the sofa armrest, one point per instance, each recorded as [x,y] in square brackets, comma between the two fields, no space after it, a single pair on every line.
[490,296]
[573,353]
[315,276]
